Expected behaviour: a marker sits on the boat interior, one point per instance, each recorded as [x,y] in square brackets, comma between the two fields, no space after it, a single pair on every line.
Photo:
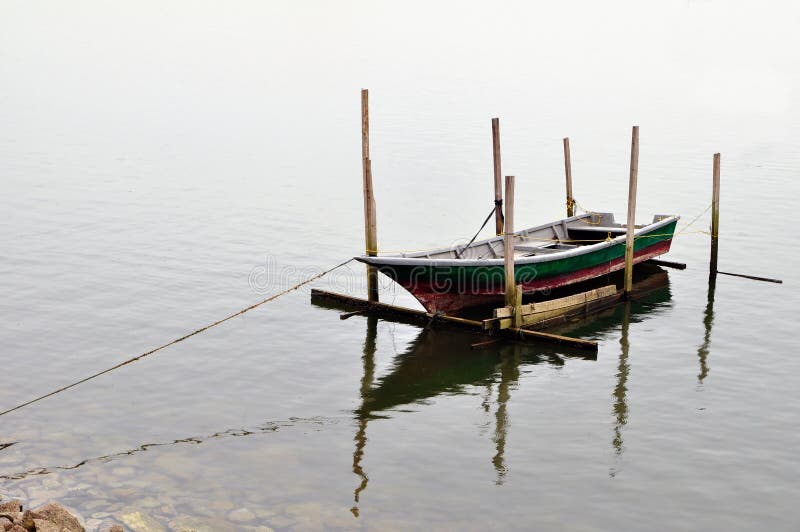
[566,234]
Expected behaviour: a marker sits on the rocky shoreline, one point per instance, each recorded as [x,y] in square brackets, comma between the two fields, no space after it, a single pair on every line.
[50,517]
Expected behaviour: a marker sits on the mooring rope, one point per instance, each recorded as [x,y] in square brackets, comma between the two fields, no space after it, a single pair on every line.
[497,204]
[173,342]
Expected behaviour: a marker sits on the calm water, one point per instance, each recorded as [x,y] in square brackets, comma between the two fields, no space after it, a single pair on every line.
[165,164]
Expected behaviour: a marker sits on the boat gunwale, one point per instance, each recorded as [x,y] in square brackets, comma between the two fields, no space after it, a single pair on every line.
[394,260]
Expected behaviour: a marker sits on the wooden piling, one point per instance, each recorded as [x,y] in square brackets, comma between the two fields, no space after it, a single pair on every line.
[370,223]
[508,243]
[631,227]
[568,171]
[517,316]
[498,185]
[715,218]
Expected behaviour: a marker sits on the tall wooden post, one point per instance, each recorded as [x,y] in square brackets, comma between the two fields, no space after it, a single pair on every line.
[568,171]
[629,241]
[370,224]
[715,218]
[508,243]
[498,184]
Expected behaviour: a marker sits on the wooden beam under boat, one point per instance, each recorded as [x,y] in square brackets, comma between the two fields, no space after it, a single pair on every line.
[420,317]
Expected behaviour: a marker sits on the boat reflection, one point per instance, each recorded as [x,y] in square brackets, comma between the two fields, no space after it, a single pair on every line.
[441,362]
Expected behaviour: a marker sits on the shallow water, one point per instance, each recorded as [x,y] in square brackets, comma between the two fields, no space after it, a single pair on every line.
[166,165]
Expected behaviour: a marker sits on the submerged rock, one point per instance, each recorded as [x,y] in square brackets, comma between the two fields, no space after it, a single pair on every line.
[141,522]
[92,524]
[201,524]
[242,515]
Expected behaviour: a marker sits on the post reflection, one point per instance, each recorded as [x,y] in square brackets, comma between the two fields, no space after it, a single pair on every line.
[509,375]
[708,321]
[368,364]
[621,388]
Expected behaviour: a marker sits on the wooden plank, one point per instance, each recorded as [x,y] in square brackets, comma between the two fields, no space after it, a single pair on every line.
[533,313]
[667,264]
[562,302]
[348,315]
[420,317]
[753,277]
[589,345]
[485,343]
[631,227]
[581,311]
[498,184]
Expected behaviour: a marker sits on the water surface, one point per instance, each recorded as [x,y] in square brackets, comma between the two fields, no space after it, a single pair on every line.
[157,158]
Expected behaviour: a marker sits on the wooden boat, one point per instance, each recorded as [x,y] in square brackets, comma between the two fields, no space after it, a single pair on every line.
[548,256]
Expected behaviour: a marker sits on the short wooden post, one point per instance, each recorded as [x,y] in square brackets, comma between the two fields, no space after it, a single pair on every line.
[498,184]
[631,228]
[568,170]
[370,224]
[715,218]
[508,243]
[517,321]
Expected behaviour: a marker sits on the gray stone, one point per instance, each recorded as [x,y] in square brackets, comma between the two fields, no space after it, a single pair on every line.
[141,522]
[51,481]
[149,502]
[221,505]
[93,505]
[124,493]
[176,465]
[91,524]
[263,513]
[315,516]
[123,471]
[200,524]
[100,515]
[242,515]
[281,521]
